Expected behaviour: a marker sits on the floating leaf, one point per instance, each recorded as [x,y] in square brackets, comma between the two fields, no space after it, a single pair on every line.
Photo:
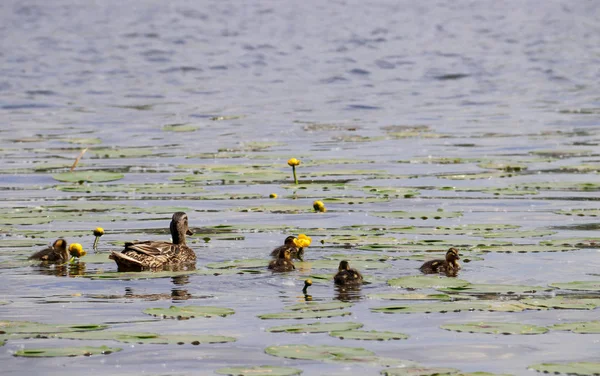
[88,176]
[562,302]
[245,264]
[495,328]
[258,371]
[456,306]
[422,282]
[312,306]
[142,337]
[420,371]
[495,289]
[66,351]
[584,327]
[580,212]
[299,315]
[574,368]
[186,312]
[578,285]
[398,296]
[317,327]
[519,234]
[336,353]
[179,128]
[418,215]
[372,335]
[28,327]
[334,264]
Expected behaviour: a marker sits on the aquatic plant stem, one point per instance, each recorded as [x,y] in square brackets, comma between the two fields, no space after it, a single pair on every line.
[295,177]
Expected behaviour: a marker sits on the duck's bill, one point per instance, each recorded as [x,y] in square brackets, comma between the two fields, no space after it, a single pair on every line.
[189,232]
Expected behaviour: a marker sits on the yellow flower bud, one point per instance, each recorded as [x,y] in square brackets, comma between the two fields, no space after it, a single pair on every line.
[308,282]
[293,162]
[273,195]
[319,206]
[302,241]
[99,231]
[76,250]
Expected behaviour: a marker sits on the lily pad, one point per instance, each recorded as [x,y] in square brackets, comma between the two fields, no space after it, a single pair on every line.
[418,215]
[495,328]
[574,368]
[28,327]
[562,302]
[66,351]
[334,264]
[420,371]
[187,312]
[578,285]
[245,264]
[88,176]
[580,212]
[335,353]
[143,337]
[372,335]
[457,306]
[423,282]
[495,289]
[299,315]
[584,327]
[259,371]
[311,306]
[317,327]
[399,296]
[179,128]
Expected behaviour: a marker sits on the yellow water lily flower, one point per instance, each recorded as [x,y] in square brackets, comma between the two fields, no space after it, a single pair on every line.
[293,162]
[307,283]
[302,241]
[98,232]
[319,206]
[273,195]
[76,250]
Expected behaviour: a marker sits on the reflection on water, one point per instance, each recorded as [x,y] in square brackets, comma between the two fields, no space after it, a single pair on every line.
[348,293]
[76,269]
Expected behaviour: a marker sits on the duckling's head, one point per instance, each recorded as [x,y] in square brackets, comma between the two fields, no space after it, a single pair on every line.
[289,241]
[179,227]
[60,245]
[452,255]
[344,265]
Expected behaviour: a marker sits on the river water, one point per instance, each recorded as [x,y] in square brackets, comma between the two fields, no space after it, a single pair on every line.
[365,93]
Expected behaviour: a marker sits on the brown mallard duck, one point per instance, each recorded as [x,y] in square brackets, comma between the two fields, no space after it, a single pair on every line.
[56,253]
[450,265]
[288,244]
[347,276]
[283,263]
[154,255]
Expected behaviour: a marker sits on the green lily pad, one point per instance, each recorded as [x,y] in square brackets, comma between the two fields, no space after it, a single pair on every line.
[584,327]
[334,264]
[495,328]
[88,176]
[259,371]
[578,285]
[580,212]
[420,371]
[312,306]
[133,337]
[299,315]
[399,296]
[28,327]
[558,186]
[66,351]
[418,215]
[372,335]
[179,128]
[457,306]
[574,368]
[495,289]
[423,282]
[245,264]
[187,312]
[316,327]
[335,353]
[519,234]
[391,191]
[562,302]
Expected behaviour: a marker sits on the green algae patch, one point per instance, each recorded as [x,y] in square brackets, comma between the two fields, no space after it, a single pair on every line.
[422,282]
[578,285]
[495,328]
[144,337]
[88,176]
[66,351]
[371,335]
[583,327]
[573,368]
[259,371]
[317,327]
[188,312]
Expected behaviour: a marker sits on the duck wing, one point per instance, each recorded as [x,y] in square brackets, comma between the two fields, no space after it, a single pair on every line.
[152,248]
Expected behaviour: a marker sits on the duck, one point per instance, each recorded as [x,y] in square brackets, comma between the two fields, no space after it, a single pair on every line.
[450,265]
[295,245]
[283,263]
[288,244]
[156,255]
[56,253]
[347,276]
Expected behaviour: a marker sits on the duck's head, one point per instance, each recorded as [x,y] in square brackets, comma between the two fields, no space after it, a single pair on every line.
[452,255]
[60,245]
[344,265]
[289,241]
[179,227]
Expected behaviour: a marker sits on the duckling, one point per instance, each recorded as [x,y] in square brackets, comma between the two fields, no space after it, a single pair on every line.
[450,265]
[57,253]
[347,276]
[154,255]
[283,263]
[288,244]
